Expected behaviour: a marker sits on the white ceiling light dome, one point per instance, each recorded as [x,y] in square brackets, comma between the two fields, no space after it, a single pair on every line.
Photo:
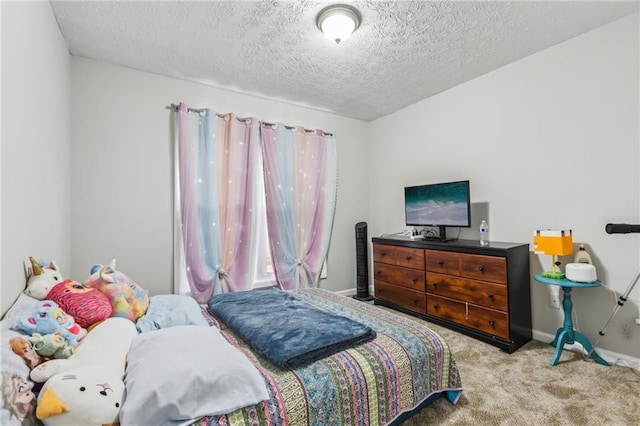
[338,21]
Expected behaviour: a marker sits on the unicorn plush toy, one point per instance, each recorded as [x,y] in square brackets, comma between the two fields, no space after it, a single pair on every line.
[40,280]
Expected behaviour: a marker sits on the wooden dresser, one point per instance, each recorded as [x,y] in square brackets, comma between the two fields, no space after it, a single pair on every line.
[481,291]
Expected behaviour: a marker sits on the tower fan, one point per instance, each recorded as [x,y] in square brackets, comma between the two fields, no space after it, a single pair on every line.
[362,263]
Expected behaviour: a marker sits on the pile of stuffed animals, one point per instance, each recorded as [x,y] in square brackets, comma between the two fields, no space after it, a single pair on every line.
[78,338]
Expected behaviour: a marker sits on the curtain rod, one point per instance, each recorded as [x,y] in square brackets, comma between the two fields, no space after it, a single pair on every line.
[174,107]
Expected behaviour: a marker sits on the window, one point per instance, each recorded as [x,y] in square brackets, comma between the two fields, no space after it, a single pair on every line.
[264,273]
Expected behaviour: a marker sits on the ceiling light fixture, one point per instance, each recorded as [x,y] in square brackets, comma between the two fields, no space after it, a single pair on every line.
[338,21]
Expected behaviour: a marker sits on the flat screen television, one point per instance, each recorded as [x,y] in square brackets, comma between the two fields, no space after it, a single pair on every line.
[440,204]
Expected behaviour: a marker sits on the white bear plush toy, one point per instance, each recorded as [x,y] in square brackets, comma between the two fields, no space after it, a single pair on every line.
[87,388]
[84,396]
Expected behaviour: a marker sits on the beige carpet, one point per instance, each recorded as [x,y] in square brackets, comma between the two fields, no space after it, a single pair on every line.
[523,389]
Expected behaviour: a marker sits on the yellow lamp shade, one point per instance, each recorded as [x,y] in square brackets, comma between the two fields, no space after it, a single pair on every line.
[554,242]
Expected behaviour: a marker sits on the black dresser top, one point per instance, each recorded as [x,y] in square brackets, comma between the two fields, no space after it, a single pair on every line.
[495,248]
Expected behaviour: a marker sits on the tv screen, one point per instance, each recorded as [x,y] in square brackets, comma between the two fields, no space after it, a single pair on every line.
[440,204]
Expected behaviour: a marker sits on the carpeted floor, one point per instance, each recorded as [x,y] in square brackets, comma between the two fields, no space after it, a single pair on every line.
[523,389]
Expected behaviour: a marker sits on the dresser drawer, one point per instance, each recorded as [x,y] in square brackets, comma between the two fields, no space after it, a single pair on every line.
[405,277]
[448,309]
[486,268]
[477,292]
[399,256]
[401,296]
[489,321]
[442,262]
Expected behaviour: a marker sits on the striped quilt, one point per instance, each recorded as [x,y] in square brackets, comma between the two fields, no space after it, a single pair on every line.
[375,383]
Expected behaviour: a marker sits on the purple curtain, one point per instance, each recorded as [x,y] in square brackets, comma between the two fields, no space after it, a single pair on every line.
[217,158]
[300,175]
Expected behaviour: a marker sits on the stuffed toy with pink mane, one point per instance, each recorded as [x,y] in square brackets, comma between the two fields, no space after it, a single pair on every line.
[128,299]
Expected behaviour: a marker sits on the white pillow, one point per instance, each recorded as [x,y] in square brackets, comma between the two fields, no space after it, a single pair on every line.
[170,310]
[178,374]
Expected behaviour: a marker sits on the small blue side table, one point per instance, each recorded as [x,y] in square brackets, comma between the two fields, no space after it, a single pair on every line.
[567,334]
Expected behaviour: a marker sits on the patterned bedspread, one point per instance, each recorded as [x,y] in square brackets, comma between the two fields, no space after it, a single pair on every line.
[370,384]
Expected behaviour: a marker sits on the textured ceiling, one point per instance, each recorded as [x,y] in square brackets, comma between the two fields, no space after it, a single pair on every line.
[403,52]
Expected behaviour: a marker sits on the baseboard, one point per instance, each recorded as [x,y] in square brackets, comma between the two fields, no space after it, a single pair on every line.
[350,292]
[609,356]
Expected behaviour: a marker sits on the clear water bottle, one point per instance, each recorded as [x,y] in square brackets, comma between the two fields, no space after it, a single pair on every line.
[484,233]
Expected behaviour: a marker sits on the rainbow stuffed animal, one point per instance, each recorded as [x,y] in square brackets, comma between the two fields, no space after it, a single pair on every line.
[127,298]
[48,318]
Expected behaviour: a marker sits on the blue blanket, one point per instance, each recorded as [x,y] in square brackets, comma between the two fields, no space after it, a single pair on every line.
[288,332]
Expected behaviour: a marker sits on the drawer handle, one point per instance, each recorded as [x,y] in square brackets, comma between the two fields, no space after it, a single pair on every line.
[435,285]
[481,268]
[492,322]
[415,301]
[441,262]
[408,257]
[414,279]
[436,306]
[490,296]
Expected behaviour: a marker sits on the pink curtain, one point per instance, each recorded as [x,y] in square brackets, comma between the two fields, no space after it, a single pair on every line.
[216,165]
[300,174]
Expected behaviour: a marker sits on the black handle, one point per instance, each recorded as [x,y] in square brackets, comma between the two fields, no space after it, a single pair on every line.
[491,322]
[440,262]
[621,228]
[490,296]
[481,268]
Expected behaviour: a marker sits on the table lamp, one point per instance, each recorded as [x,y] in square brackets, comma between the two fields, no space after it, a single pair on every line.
[554,242]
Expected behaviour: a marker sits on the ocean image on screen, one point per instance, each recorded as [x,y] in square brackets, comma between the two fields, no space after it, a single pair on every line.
[445,204]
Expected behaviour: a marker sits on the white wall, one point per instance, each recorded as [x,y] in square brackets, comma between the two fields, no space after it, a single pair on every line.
[551,141]
[36,143]
[122,170]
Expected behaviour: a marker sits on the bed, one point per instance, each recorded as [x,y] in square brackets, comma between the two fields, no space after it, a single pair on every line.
[380,382]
